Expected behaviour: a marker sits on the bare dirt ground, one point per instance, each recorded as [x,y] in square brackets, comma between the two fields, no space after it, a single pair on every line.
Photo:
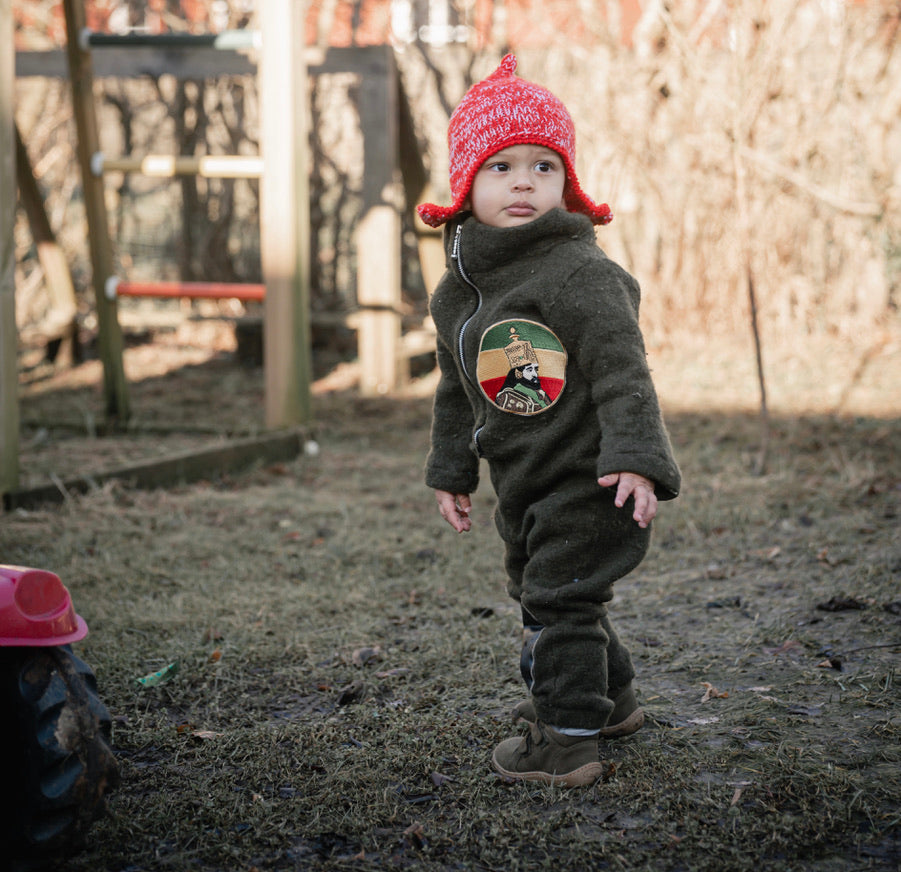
[346,663]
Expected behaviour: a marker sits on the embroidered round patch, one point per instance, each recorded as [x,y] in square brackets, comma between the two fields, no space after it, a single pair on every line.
[521,366]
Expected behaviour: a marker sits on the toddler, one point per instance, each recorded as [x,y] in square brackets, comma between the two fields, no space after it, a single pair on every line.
[544,375]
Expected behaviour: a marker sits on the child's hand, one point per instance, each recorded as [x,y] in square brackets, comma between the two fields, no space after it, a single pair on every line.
[455,509]
[632,484]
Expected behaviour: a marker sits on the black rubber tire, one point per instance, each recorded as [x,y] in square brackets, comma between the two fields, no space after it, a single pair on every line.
[54,742]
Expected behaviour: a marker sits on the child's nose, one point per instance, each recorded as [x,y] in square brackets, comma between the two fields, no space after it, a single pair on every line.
[522,181]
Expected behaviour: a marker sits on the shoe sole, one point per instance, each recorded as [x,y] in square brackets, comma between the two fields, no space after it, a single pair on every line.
[584,776]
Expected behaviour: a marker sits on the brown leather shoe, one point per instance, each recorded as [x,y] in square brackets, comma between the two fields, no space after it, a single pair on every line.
[545,755]
[626,718]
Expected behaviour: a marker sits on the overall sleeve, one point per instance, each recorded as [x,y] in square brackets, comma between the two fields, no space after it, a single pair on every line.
[452,465]
[597,315]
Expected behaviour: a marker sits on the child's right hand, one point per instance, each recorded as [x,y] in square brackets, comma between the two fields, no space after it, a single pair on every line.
[455,509]
[637,486]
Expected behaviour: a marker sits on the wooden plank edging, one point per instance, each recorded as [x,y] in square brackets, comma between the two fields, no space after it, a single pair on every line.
[182,468]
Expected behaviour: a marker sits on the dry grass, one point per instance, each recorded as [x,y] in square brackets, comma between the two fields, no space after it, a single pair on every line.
[346,663]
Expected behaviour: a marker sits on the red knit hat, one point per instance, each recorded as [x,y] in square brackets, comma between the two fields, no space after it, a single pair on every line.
[501,111]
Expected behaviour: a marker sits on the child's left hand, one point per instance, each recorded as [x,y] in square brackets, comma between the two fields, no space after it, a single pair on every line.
[637,486]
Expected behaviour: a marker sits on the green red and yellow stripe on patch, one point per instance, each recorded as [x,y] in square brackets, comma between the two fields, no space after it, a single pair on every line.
[515,344]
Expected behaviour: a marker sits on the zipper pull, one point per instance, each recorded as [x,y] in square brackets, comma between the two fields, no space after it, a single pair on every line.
[455,249]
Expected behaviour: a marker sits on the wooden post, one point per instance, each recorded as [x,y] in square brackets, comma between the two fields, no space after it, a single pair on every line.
[57,278]
[378,240]
[285,215]
[9,393]
[115,387]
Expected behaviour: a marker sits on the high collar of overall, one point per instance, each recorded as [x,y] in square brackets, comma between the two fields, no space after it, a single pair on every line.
[484,247]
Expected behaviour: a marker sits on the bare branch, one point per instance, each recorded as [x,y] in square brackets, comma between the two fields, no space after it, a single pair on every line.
[871,210]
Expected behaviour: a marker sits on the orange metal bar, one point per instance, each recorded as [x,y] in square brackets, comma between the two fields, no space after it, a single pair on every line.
[192,290]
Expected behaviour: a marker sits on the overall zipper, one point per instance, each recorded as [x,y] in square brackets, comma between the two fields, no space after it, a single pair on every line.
[458,259]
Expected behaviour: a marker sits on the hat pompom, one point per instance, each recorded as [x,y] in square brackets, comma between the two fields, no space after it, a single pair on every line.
[507,67]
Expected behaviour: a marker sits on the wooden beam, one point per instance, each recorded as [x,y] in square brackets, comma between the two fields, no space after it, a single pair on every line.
[191,290]
[188,466]
[61,324]
[165,166]
[9,389]
[126,63]
[412,167]
[285,216]
[378,233]
[199,63]
[226,40]
[115,386]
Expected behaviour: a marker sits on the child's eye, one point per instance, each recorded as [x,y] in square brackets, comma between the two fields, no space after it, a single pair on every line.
[500,166]
[544,166]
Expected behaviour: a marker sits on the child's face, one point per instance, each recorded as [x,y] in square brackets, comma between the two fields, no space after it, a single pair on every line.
[517,185]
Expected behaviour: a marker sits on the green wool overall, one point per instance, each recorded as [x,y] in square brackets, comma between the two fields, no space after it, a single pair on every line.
[544,375]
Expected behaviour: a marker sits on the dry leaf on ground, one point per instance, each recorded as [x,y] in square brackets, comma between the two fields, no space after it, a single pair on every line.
[711,692]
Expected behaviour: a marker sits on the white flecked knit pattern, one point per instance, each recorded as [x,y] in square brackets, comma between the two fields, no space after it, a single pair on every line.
[496,113]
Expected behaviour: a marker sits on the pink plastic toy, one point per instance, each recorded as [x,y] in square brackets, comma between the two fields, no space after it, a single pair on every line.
[36,609]
[55,732]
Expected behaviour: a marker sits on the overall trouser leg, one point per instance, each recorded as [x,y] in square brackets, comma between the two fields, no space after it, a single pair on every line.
[563,557]
[620,670]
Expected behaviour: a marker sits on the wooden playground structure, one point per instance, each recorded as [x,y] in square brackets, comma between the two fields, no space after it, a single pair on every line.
[393,180]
